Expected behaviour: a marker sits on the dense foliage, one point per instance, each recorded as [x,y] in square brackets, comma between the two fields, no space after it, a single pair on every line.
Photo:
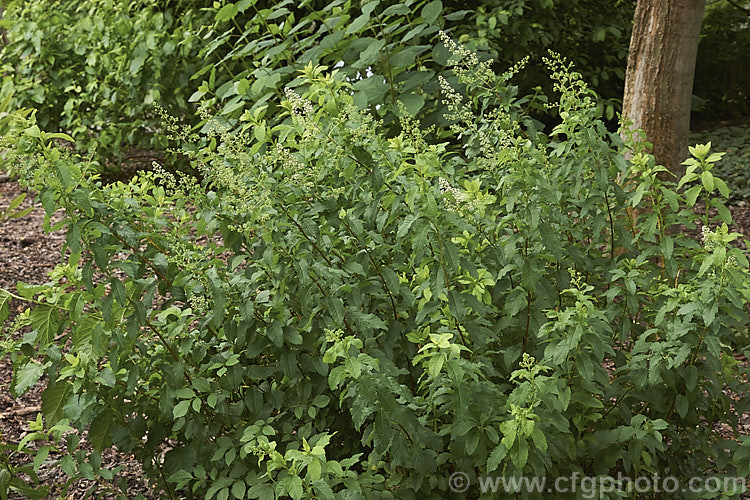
[95,68]
[594,34]
[336,312]
[734,142]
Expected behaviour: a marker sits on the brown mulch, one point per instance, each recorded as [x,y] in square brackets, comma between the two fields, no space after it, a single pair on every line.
[27,254]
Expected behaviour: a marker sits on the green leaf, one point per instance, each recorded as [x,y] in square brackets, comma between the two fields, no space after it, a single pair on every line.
[412,102]
[371,53]
[41,456]
[432,10]
[238,489]
[522,455]
[53,400]
[540,441]
[403,228]
[181,409]
[276,333]
[33,131]
[5,298]
[27,376]
[321,401]
[296,490]
[362,155]
[43,320]
[137,63]
[496,457]
[724,212]
[692,194]
[16,202]
[100,430]
[722,186]
[227,12]
[357,24]
[60,135]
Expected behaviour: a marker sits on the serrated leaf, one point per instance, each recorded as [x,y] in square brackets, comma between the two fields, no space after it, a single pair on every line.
[692,194]
[54,399]
[27,376]
[41,456]
[403,228]
[496,457]
[100,430]
[43,320]
[540,441]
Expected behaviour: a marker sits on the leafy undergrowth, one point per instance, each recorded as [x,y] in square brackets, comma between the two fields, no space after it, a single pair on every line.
[393,310]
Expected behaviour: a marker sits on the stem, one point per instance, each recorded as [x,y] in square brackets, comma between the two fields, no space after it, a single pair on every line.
[611,226]
[377,270]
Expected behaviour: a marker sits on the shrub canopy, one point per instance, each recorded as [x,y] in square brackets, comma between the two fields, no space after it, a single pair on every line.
[337,311]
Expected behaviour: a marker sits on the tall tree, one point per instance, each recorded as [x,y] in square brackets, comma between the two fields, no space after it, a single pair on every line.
[659,78]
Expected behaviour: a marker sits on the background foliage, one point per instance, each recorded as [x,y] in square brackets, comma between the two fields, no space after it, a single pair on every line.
[95,68]
[734,141]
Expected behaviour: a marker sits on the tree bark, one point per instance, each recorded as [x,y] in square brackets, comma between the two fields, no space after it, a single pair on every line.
[659,77]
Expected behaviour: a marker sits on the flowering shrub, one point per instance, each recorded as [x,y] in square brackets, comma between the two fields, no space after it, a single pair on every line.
[338,313]
[95,68]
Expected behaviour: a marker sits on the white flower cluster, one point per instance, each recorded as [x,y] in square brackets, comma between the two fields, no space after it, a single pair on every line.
[198,303]
[460,204]
[300,106]
[466,56]
[169,179]
[710,244]
[705,238]
[445,187]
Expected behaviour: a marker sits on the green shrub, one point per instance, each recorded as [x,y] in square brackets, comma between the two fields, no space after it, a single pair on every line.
[339,313]
[95,68]
[734,168]
[594,34]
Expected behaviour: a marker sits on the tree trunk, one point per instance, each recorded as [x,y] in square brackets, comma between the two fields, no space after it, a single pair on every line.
[659,78]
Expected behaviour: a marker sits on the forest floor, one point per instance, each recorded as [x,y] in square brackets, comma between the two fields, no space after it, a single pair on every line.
[27,254]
